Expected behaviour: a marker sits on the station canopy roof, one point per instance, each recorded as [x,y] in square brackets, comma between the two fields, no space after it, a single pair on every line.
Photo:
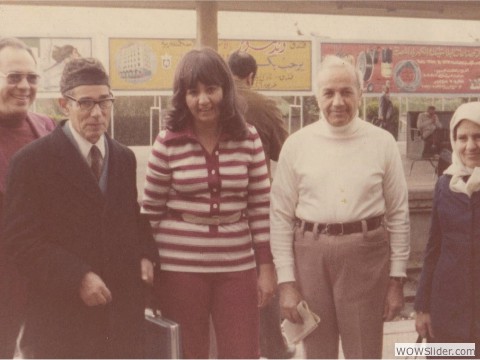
[433,9]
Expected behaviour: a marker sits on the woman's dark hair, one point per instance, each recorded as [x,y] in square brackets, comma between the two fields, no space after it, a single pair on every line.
[208,67]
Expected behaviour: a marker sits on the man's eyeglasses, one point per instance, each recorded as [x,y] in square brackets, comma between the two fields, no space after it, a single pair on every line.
[89,104]
[13,78]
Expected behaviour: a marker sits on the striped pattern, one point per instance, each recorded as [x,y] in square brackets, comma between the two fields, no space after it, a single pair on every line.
[183,177]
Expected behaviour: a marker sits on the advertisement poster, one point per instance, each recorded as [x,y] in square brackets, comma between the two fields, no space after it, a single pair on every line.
[52,55]
[149,64]
[412,69]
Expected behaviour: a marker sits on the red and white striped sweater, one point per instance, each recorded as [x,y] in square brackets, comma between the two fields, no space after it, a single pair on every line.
[182,177]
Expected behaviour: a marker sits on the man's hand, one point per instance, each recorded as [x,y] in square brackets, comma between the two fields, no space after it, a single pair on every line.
[267,284]
[290,297]
[147,271]
[423,325]
[394,301]
[93,290]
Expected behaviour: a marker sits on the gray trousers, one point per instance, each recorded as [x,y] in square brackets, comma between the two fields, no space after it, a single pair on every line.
[344,280]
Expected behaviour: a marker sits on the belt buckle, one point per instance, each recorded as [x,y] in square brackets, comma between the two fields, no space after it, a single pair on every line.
[326,230]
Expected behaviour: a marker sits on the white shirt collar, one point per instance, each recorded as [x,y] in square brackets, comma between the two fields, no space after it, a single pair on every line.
[85,145]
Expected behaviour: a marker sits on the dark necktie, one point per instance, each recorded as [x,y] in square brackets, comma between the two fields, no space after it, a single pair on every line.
[96,161]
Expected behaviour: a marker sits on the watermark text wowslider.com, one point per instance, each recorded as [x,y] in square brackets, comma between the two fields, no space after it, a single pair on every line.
[434,349]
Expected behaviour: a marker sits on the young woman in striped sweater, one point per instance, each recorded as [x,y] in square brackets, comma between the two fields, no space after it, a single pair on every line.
[207,196]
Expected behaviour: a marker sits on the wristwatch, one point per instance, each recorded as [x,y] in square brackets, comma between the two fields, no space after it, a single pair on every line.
[401,279]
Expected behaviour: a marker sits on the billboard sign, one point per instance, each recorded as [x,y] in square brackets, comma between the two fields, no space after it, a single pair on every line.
[412,68]
[149,64]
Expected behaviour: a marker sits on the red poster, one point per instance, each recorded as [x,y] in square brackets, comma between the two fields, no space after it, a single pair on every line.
[419,69]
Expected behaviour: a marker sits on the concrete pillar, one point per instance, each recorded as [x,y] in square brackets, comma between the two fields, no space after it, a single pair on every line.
[207,34]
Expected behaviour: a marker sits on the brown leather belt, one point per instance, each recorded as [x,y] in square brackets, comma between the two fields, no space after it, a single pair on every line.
[341,228]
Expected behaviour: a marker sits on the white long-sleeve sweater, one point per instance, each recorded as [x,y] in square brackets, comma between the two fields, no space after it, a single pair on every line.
[329,174]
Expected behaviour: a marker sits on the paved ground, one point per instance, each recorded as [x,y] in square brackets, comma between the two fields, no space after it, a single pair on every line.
[421,178]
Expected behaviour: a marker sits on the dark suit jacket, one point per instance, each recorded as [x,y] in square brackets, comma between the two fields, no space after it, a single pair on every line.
[58,226]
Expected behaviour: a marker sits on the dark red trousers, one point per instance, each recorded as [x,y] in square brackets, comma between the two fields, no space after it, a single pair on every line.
[229,298]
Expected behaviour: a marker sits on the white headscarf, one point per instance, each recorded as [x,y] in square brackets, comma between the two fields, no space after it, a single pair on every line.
[468,111]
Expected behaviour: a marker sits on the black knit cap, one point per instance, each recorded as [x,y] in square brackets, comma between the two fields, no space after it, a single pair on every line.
[83,71]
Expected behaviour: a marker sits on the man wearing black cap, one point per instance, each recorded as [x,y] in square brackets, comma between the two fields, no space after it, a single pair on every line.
[73,227]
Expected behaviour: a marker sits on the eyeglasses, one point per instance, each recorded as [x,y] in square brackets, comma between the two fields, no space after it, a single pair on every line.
[89,104]
[13,78]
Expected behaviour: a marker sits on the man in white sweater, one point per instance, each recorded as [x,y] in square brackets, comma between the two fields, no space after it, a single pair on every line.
[340,223]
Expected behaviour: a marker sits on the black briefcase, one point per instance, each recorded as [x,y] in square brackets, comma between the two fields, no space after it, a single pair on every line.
[162,340]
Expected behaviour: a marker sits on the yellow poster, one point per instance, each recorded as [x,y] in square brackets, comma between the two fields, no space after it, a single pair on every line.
[149,64]
[145,64]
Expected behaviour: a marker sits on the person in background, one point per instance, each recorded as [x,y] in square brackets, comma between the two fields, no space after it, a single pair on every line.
[207,196]
[72,225]
[430,129]
[18,127]
[262,113]
[447,301]
[340,222]
[385,112]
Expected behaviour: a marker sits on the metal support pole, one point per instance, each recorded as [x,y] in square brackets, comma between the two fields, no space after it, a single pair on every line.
[157,106]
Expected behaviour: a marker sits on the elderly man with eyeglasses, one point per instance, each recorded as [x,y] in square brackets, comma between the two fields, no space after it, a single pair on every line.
[73,226]
[18,127]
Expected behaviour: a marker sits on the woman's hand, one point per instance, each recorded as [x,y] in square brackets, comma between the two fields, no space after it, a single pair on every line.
[267,284]
[423,325]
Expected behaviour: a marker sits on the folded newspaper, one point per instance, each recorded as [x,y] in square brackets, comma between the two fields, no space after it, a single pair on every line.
[295,333]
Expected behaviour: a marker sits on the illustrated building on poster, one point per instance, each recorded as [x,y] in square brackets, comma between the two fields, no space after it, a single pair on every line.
[136,62]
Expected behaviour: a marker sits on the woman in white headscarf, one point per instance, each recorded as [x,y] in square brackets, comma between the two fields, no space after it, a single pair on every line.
[448,296]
